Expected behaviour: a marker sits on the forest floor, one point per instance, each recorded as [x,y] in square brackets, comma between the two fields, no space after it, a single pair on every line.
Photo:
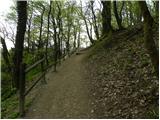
[123,81]
[113,79]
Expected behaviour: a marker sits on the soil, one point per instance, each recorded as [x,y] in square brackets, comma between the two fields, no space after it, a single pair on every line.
[66,94]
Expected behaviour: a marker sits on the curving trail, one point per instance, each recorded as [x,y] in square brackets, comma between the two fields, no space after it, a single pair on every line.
[66,94]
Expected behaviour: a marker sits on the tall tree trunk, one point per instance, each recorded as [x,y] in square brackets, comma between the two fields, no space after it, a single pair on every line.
[94,21]
[131,13]
[118,19]
[41,25]
[55,42]
[78,40]
[68,38]
[21,28]
[60,37]
[148,36]
[79,34]
[157,10]
[86,25]
[6,56]
[29,29]
[46,52]
[89,35]
[5,52]
[106,17]
[75,36]
[120,12]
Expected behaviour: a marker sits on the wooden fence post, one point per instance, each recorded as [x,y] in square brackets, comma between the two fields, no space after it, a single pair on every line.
[43,72]
[22,90]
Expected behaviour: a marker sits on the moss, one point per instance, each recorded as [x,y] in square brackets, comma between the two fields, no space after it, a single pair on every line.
[101,44]
[153,113]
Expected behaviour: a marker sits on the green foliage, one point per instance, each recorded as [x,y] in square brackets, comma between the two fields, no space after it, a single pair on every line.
[9,107]
[154,113]
[33,73]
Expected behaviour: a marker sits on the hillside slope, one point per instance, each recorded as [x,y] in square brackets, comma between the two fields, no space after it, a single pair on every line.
[124,84]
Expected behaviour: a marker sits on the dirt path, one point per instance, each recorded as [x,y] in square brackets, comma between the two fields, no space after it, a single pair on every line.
[66,94]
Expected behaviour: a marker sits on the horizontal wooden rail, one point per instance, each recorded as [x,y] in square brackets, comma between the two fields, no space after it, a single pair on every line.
[34,65]
[39,78]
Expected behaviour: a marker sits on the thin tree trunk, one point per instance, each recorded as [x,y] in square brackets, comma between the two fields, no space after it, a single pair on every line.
[86,25]
[29,30]
[40,32]
[49,12]
[120,12]
[5,54]
[94,21]
[60,36]
[79,34]
[130,13]
[75,37]
[68,38]
[55,42]
[118,19]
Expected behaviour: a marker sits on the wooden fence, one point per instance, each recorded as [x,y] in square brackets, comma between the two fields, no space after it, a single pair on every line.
[23,92]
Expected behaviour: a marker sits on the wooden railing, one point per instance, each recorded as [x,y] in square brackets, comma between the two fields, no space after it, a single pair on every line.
[22,91]
[22,83]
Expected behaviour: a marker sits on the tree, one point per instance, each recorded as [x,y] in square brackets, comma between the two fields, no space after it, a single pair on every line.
[148,36]
[59,35]
[83,15]
[41,25]
[94,21]
[118,18]
[106,17]
[30,9]
[5,53]
[157,10]
[49,12]
[54,38]
[21,28]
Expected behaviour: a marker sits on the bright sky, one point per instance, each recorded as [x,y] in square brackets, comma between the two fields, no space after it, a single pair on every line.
[4,9]
[4,6]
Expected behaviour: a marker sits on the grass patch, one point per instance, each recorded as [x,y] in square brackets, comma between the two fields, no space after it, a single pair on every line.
[9,107]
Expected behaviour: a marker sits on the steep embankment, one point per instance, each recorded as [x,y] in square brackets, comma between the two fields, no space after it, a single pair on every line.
[123,81]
